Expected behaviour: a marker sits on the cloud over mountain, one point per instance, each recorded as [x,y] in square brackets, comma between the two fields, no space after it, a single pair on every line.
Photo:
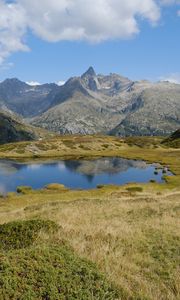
[53,20]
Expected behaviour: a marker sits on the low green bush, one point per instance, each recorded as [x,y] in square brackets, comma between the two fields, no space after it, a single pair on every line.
[135,189]
[21,234]
[24,189]
[51,273]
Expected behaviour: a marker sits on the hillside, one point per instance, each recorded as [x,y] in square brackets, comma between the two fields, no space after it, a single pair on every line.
[173,140]
[13,129]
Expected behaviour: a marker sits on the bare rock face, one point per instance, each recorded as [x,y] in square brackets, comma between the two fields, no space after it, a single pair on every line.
[96,103]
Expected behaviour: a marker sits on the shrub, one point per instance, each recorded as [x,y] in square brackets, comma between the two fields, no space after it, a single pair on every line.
[152,181]
[55,187]
[51,273]
[100,186]
[21,234]
[24,189]
[134,189]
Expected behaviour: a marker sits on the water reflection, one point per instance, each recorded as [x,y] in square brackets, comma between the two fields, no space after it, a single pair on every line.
[104,165]
[75,173]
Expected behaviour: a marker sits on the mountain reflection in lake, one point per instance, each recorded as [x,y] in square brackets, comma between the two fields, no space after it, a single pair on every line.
[83,174]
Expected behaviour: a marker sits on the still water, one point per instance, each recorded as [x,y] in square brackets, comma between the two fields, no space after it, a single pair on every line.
[82,174]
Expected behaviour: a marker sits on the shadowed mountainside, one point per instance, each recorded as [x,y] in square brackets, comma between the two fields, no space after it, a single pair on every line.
[173,140]
[13,129]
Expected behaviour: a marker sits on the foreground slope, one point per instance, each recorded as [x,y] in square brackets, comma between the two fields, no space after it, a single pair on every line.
[131,232]
[32,269]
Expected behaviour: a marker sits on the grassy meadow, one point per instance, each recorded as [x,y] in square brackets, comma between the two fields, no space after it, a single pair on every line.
[113,242]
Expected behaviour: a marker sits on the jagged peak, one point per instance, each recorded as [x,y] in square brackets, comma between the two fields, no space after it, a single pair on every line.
[89,72]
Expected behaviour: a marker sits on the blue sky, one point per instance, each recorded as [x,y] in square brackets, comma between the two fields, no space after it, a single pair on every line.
[149,52]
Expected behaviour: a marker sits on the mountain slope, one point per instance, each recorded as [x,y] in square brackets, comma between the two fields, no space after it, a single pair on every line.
[13,129]
[24,99]
[158,114]
[173,140]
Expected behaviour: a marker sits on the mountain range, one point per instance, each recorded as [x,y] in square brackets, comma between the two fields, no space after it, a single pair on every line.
[96,103]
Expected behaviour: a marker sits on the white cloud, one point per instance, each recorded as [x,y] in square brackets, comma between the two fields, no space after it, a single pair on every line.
[33,83]
[178,13]
[12,29]
[173,78]
[56,20]
[91,20]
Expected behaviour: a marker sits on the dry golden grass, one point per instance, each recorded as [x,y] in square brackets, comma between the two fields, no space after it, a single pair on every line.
[132,235]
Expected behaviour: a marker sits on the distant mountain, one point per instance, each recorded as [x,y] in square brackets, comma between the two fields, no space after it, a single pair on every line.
[13,129]
[173,140]
[157,111]
[25,99]
[92,103]
[87,104]
[113,104]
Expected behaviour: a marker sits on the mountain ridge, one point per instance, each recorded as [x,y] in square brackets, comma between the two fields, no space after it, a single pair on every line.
[95,103]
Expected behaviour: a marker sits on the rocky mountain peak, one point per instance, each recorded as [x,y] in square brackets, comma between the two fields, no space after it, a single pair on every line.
[89,73]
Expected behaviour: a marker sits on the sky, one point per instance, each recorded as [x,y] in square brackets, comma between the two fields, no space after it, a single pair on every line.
[52,40]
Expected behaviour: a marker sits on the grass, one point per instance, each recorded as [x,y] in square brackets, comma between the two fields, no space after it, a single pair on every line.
[131,233]
[133,236]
